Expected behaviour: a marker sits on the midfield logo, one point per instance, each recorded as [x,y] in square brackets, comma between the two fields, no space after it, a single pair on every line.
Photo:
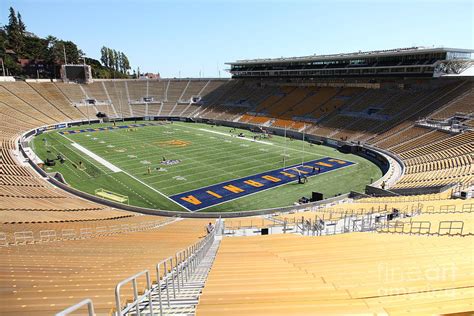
[174,143]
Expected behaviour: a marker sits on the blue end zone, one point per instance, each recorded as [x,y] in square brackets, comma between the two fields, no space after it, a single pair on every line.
[108,128]
[230,190]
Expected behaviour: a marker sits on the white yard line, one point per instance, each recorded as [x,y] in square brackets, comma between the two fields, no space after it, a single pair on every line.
[251,140]
[112,167]
[99,159]
[242,138]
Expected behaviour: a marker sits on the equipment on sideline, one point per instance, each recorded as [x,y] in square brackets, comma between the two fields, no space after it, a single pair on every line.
[316,196]
[109,195]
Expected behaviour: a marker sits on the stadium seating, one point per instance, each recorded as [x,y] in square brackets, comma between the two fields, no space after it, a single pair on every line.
[461,105]
[280,274]
[41,279]
[51,93]
[344,274]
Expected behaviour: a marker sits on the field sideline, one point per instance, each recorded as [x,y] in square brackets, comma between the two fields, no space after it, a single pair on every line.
[197,156]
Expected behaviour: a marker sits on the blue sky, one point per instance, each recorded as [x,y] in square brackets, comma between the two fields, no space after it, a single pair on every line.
[193,38]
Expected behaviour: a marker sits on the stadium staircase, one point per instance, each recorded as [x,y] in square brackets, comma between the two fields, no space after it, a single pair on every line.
[187,297]
[180,286]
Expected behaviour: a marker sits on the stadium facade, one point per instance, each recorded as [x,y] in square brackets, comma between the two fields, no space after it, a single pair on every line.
[401,62]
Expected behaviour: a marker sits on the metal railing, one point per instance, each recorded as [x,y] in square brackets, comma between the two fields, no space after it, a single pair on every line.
[23,238]
[51,235]
[171,275]
[3,240]
[450,208]
[344,224]
[137,298]
[445,228]
[450,228]
[69,310]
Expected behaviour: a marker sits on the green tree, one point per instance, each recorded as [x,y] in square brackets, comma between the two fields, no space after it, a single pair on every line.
[125,64]
[111,55]
[36,48]
[104,56]
[13,68]
[15,35]
[116,60]
[21,25]
[56,49]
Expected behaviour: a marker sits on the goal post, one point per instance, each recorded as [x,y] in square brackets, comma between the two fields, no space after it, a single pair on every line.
[109,195]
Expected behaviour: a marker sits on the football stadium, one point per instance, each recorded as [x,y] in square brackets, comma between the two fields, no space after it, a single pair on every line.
[327,184]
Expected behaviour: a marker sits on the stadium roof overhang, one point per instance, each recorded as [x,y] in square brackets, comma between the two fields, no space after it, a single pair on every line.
[406,62]
[355,55]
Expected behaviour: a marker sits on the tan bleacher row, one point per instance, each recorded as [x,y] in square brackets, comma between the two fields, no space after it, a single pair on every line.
[358,273]
[33,230]
[42,279]
[29,96]
[51,92]
[14,220]
[462,105]
[441,162]
[426,138]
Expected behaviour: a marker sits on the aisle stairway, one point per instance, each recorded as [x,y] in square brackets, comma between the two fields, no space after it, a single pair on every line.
[186,299]
[181,281]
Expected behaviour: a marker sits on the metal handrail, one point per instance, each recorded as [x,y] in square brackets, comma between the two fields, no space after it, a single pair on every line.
[136,298]
[51,235]
[69,310]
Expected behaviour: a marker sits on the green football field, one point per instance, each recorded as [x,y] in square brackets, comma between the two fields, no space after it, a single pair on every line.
[204,155]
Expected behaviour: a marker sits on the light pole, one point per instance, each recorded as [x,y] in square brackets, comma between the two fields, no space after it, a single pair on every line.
[87,111]
[3,67]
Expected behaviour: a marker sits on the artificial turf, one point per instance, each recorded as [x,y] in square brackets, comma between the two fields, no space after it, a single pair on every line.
[206,157]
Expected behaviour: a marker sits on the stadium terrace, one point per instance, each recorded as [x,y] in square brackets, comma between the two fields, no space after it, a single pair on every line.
[413,62]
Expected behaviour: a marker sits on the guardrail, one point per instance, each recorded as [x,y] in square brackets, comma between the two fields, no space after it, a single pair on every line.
[87,302]
[136,297]
[445,228]
[347,223]
[51,235]
[450,208]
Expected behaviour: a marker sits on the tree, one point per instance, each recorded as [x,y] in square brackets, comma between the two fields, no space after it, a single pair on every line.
[104,56]
[73,53]
[12,21]
[56,49]
[15,35]
[36,48]
[125,64]
[13,68]
[116,60]
[111,55]
[21,25]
